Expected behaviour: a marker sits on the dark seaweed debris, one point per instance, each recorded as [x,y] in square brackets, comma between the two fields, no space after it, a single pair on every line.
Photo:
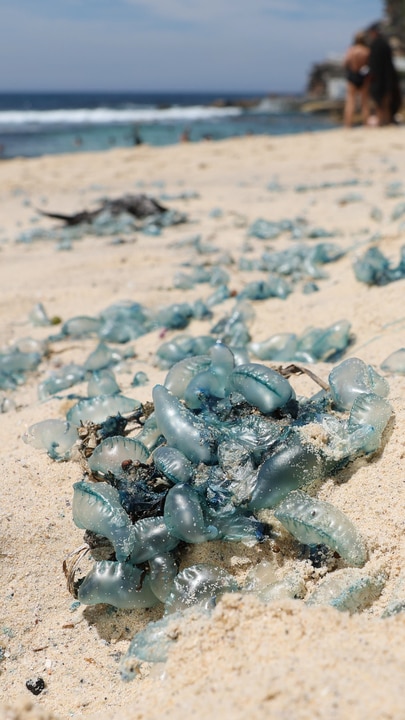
[140,206]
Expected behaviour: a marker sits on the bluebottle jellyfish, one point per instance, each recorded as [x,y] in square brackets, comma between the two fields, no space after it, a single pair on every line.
[152,644]
[212,383]
[97,507]
[353,377]
[261,387]
[395,362]
[184,516]
[152,538]
[224,439]
[61,379]
[181,428]
[315,522]
[99,408]
[118,584]
[349,590]
[111,453]
[201,585]
[102,382]
[292,464]
[162,572]
[57,437]
[173,464]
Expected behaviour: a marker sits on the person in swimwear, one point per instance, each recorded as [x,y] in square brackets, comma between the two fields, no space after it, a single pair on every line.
[384,81]
[358,79]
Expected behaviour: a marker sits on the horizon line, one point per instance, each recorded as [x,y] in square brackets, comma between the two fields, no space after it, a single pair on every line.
[265,93]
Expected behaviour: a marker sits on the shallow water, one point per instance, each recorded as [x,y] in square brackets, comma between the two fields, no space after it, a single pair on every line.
[33,124]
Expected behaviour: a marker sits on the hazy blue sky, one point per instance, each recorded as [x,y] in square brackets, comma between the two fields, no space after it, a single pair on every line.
[264,45]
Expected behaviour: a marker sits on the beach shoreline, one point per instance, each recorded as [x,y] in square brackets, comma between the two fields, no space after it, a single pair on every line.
[249,660]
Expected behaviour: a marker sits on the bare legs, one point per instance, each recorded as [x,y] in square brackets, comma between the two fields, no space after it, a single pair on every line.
[350,103]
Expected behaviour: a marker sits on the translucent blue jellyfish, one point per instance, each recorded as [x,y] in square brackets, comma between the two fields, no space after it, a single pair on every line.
[38,316]
[182,281]
[292,464]
[333,339]
[262,289]
[349,590]
[101,358]
[112,452]
[150,435]
[173,464]
[184,516]
[182,429]
[373,268]
[118,584]
[81,326]
[254,432]
[213,383]
[265,229]
[182,372]
[396,603]
[61,379]
[238,477]
[279,347]
[219,295]
[353,377]
[15,361]
[395,362]
[398,211]
[99,408]
[140,378]
[152,537]
[97,507]
[152,644]
[57,437]
[6,404]
[182,347]
[162,571]
[235,527]
[264,582]
[102,382]
[200,585]
[233,328]
[261,387]
[172,351]
[371,413]
[315,522]
[175,317]
[30,345]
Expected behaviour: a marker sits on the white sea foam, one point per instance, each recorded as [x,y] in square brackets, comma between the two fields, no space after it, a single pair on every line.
[105,116]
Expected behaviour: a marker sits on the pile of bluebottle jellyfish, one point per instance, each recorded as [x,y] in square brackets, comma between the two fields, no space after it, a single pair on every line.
[224,440]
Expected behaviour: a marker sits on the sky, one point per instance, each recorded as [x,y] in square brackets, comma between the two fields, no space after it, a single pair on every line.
[140,45]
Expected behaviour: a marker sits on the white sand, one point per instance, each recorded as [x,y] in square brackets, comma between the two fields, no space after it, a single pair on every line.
[249,660]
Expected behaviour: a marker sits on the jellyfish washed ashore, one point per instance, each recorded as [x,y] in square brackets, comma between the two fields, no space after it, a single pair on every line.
[226,441]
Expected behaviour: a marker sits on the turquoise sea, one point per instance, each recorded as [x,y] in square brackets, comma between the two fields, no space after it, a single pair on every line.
[33,124]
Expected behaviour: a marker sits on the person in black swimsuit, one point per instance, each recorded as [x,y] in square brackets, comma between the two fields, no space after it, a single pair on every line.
[384,81]
[358,81]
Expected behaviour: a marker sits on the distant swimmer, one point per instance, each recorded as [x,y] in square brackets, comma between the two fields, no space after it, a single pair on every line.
[185,135]
[136,138]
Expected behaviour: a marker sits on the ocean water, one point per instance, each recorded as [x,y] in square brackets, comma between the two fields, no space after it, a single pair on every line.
[33,124]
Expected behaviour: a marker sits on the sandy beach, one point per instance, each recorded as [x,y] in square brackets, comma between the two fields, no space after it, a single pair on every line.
[248,660]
